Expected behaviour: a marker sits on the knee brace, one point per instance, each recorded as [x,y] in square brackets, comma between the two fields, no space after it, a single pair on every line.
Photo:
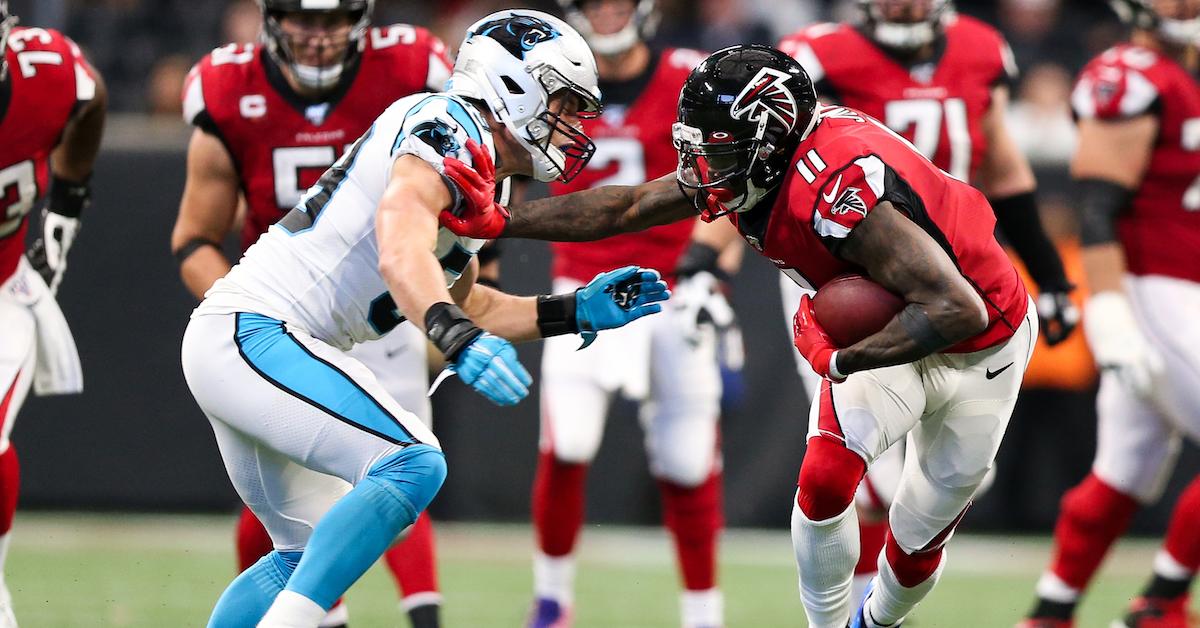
[828,479]
[414,473]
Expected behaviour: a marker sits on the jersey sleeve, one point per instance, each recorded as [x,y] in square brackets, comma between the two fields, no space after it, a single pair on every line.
[195,109]
[846,197]
[440,65]
[85,80]
[435,129]
[1113,90]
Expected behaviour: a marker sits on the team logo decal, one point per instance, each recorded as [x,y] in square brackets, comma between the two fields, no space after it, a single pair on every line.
[440,136]
[767,94]
[519,33]
[849,201]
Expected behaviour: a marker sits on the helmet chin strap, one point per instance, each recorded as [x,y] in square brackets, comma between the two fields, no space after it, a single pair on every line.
[616,43]
[317,77]
[904,36]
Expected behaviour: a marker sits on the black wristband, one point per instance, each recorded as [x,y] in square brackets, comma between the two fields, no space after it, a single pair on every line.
[1018,218]
[1100,201]
[67,198]
[699,258]
[191,246]
[556,314]
[449,329]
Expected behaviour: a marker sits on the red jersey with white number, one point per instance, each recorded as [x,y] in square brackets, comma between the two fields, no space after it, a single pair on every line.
[848,165]
[1160,232]
[938,105]
[633,145]
[280,143]
[48,80]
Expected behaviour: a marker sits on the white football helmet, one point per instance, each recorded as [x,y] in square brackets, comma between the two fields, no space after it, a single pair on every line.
[905,36]
[515,61]
[1142,14]
[7,22]
[639,28]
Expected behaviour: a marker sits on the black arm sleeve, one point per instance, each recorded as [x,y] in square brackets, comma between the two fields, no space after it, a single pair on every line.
[1100,201]
[1017,217]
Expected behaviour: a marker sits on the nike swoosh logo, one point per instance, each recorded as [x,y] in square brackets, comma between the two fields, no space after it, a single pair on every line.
[829,198]
[990,374]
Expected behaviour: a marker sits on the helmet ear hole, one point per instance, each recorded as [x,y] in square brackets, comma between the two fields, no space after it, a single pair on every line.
[511,85]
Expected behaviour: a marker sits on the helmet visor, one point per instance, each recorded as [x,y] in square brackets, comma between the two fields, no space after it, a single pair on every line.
[716,170]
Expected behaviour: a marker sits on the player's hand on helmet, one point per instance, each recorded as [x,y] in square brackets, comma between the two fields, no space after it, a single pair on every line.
[489,365]
[698,300]
[616,298]
[1117,342]
[812,341]
[478,215]
[1057,315]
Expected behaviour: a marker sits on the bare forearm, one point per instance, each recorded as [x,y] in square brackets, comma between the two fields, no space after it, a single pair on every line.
[202,269]
[75,156]
[913,334]
[414,278]
[1104,266]
[600,212]
[506,315]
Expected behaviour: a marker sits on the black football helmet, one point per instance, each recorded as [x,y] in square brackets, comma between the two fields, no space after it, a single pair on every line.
[320,78]
[904,36]
[641,26]
[742,112]
[7,22]
[1142,14]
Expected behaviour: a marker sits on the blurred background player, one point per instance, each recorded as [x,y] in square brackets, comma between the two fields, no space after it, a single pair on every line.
[942,81]
[670,371]
[270,118]
[52,109]
[1137,169]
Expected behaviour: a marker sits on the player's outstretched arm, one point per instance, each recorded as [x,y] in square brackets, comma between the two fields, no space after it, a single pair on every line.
[71,165]
[943,309]
[1108,167]
[580,216]
[206,213]
[1011,188]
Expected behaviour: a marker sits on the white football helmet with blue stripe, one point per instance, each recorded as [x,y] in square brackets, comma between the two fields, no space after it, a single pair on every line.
[515,61]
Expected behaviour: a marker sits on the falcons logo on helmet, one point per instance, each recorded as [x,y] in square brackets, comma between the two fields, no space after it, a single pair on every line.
[766,94]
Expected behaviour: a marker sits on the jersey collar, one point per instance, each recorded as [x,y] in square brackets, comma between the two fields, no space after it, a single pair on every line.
[301,104]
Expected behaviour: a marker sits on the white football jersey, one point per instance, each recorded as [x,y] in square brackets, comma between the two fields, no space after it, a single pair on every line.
[318,267]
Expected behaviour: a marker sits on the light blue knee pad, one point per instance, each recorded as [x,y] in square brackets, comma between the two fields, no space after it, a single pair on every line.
[362,525]
[249,596]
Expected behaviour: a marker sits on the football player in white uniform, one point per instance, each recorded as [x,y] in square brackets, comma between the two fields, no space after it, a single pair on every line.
[330,463]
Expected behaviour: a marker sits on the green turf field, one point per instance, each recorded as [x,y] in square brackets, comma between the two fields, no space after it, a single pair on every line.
[68,570]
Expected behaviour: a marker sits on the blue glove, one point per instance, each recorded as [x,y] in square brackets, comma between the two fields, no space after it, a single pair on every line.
[616,298]
[489,365]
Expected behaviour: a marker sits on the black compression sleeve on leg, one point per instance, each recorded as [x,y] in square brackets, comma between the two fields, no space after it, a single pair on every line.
[1100,201]
[1018,218]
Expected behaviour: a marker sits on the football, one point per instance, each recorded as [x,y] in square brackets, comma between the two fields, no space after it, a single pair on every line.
[852,307]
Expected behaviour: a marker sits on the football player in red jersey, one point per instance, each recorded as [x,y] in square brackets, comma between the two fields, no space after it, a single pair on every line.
[671,371]
[1138,172]
[270,118]
[52,107]
[941,80]
[822,191]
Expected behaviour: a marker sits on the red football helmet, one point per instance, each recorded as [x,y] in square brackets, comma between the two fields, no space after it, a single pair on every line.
[905,25]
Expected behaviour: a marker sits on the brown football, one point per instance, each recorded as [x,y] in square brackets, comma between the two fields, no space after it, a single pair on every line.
[852,307]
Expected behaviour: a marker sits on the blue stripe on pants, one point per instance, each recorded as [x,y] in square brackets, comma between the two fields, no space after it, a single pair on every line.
[265,344]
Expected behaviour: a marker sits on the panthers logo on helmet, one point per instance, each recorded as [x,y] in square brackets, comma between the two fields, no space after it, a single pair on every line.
[766,94]
[519,33]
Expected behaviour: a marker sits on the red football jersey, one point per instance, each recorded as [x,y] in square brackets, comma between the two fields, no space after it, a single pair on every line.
[633,145]
[939,106]
[280,143]
[47,81]
[1161,231]
[846,166]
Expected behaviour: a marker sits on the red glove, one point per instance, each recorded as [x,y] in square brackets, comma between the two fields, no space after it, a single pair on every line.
[813,343]
[480,215]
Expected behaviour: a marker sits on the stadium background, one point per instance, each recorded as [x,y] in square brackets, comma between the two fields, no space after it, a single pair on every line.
[135,441]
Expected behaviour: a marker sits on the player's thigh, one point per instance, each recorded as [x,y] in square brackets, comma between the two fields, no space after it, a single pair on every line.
[573,404]
[791,294]
[295,395]
[1167,310]
[681,415]
[871,410]
[18,357]
[287,498]
[1136,447]
[399,361]
[878,487]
